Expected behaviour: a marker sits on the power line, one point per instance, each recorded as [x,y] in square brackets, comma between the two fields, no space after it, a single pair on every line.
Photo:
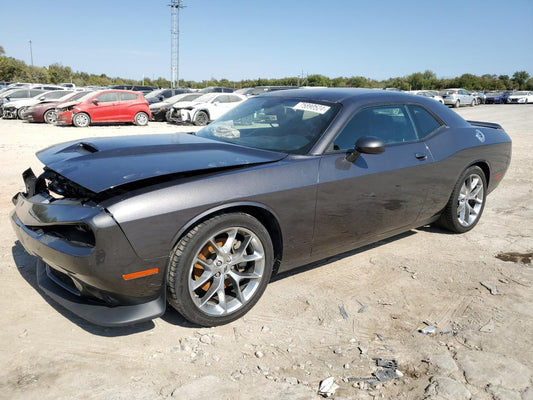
[175,6]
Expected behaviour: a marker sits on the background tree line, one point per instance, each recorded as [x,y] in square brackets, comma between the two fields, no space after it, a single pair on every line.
[13,70]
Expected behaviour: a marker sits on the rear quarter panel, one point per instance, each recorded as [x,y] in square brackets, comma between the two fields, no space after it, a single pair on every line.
[454,150]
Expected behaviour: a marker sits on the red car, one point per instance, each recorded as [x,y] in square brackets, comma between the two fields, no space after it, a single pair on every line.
[46,111]
[105,106]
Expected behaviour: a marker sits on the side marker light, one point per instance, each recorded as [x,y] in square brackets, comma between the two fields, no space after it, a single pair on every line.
[140,274]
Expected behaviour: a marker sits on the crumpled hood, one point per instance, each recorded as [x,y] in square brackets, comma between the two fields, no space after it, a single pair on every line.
[67,103]
[184,104]
[99,164]
[159,104]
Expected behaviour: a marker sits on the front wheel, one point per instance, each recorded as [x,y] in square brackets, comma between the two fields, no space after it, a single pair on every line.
[466,202]
[168,116]
[201,118]
[474,103]
[220,269]
[81,120]
[20,112]
[50,117]
[457,104]
[140,119]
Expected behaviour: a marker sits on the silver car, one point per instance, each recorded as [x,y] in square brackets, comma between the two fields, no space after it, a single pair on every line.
[458,97]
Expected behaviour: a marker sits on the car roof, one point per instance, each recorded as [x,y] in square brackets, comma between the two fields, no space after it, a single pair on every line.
[353,99]
[343,95]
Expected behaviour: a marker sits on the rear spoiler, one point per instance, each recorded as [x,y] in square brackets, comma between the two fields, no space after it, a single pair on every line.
[485,124]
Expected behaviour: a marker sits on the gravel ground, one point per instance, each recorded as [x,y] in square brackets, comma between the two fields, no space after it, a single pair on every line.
[321,321]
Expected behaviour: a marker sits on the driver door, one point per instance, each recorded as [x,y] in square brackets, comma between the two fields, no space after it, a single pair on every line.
[377,193]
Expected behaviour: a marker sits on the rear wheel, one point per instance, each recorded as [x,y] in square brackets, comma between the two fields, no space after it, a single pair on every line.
[140,119]
[201,118]
[81,120]
[466,202]
[50,117]
[220,269]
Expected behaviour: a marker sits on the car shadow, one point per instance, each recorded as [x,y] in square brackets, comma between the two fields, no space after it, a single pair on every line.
[26,265]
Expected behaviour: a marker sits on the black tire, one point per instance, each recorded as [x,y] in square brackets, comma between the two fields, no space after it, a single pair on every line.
[457,104]
[196,269]
[50,117]
[474,103]
[20,111]
[81,120]
[141,119]
[201,118]
[168,116]
[464,209]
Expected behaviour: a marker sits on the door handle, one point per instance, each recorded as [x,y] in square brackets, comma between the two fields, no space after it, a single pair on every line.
[421,156]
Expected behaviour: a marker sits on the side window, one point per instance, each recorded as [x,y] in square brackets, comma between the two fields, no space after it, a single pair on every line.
[128,96]
[233,99]
[425,123]
[389,123]
[220,99]
[107,97]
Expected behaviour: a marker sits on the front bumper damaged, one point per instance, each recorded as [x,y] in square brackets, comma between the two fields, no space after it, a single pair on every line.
[84,259]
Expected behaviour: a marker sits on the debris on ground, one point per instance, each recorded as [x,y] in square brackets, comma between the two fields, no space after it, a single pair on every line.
[327,387]
[388,373]
[428,330]
[343,312]
[386,363]
[493,289]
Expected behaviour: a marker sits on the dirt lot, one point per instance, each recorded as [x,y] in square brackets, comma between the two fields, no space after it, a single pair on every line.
[327,320]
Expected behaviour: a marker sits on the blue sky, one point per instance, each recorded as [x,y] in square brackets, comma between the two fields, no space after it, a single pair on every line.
[248,39]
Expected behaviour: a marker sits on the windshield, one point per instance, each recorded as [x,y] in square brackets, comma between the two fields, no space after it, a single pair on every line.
[520,93]
[270,123]
[153,93]
[54,94]
[204,98]
[79,95]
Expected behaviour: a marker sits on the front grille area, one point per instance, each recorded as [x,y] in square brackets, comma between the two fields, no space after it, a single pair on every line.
[62,280]
[76,235]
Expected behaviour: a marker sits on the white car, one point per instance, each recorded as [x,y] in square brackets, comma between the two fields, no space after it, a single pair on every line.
[429,93]
[521,97]
[16,107]
[161,110]
[206,108]
[457,97]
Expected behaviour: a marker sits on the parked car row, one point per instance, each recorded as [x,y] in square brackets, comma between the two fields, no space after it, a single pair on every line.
[80,109]
[44,103]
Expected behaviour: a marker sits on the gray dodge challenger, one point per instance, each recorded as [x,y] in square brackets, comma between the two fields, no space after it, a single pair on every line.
[121,226]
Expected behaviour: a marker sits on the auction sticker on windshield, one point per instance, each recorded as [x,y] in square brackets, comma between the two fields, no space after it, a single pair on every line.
[318,108]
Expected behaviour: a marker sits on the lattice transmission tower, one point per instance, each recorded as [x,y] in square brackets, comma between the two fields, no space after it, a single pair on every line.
[175,6]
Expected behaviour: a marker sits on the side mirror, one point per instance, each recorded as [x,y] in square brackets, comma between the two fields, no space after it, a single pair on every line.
[42,98]
[95,102]
[366,145]
[161,98]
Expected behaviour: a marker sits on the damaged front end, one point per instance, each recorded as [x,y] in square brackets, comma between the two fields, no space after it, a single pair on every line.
[85,259]
[9,112]
[180,115]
